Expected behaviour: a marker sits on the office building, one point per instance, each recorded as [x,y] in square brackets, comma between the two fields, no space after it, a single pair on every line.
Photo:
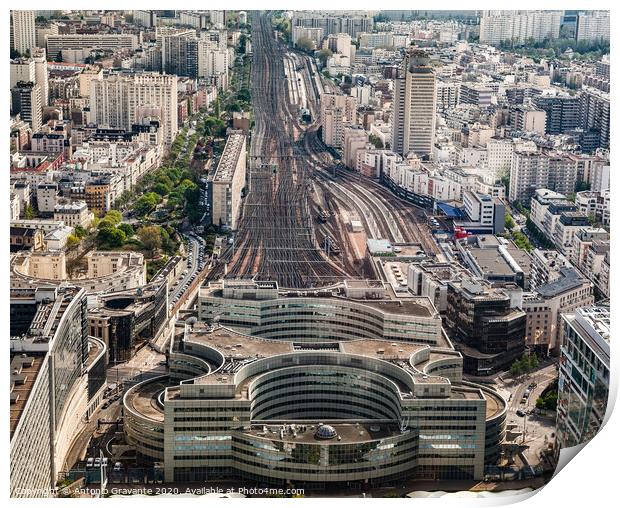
[595,111]
[414,108]
[495,259]
[144,18]
[485,328]
[179,52]
[57,376]
[476,94]
[423,406]
[528,119]
[583,384]
[22,69]
[125,319]
[563,112]
[224,186]
[275,314]
[537,170]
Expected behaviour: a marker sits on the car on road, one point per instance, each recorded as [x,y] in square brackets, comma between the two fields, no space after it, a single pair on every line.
[163,362]
[118,466]
[90,462]
[520,413]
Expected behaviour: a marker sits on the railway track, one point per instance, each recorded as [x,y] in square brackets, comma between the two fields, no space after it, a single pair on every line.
[276,239]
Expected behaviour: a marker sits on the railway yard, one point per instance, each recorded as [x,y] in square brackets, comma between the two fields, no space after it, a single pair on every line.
[305,220]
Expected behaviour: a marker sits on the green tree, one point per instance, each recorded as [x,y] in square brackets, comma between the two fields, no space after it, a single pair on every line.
[127,229]
[375,140]
[509,222]
[105,223]
[162,189]
[114,216]
[146,203]
[29,212]
[244,95]
[305,44]
[79,231]
[516,368]
[72,242]
[110,237]
[150,236]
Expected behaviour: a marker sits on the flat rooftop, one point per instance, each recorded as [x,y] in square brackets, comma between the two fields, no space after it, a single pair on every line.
[392,303]
[235,144]
[22,383]
[491,261]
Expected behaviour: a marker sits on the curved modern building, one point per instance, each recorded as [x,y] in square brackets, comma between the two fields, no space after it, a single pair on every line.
[351,311]
[312,413]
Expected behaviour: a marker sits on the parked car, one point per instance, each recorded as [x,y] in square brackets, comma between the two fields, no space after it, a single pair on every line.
[90,462]
[117,466]
[520,413]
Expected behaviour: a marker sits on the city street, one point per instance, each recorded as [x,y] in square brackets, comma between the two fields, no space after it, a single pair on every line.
[538,428]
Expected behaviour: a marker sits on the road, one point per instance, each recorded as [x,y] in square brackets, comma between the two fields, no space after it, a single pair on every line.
[536,430]
[195,262]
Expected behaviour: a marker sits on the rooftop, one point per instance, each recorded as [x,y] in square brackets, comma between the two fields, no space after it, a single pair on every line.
[235,144]
[568,280]
[24,372]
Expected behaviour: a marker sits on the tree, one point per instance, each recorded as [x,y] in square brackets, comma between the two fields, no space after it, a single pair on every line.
[150,236]
[105,223]
[127,229]
[244,95]
[162,189]
[29,212]
[375,140]
[233,107]
[516,368]
[305,44]
[509,222]
[324,55]
[72,241]
[147,203]
[218,113]
[114,216]
[111,237]
[79,231]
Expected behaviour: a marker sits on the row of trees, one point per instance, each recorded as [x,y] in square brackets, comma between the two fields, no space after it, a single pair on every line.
[527,363]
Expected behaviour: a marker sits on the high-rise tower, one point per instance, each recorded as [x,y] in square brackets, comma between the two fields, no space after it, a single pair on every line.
[415,104]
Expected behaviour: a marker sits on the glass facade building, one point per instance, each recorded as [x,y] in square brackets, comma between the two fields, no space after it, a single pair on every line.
[256,409]
[583,384]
